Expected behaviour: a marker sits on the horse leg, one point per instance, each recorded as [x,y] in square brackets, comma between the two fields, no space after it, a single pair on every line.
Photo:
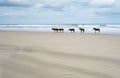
[95,31]
[82,31]
[99,31]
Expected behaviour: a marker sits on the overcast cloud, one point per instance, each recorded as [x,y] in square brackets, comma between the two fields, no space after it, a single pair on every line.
[59,11]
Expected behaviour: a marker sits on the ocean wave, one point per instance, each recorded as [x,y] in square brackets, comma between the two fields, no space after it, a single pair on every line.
[110,28]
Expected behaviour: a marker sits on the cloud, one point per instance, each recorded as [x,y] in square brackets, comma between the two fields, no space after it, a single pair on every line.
[62,5]
[15,3]
[108,12]
[52,7]
[60,9]
[102,3]
[13,11]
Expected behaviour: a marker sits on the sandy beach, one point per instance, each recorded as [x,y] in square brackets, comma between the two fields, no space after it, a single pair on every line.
[59,55]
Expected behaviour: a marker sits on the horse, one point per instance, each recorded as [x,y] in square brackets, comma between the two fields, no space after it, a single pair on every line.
[58,29]
[61,29]
[55,29]
[96,29]
[72,30]
[82,30]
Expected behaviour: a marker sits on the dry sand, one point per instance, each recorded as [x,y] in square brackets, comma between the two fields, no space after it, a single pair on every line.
[59,55]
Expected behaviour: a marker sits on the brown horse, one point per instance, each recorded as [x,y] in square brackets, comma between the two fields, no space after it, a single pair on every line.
[96,29]
[82,30]
[58,29]
[55,29]
[72,30]
[61,29]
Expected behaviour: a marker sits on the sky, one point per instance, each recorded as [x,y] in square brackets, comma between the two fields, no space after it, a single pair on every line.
[59,11]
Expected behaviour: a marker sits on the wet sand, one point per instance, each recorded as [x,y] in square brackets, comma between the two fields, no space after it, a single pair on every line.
[59,55]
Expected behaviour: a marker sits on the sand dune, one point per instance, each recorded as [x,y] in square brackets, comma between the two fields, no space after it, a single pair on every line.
[59,55]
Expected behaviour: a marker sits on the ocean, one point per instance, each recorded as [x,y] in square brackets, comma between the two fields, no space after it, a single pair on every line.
[105,28]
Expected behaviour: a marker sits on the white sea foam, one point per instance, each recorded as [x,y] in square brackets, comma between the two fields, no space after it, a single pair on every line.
[106,29]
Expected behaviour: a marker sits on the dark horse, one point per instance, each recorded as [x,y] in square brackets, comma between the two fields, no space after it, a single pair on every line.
[72,30]
[96,29]
[58,29]
[61,29]
[82,30]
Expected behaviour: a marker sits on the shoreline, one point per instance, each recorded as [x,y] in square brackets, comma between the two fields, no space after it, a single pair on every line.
[61,32]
